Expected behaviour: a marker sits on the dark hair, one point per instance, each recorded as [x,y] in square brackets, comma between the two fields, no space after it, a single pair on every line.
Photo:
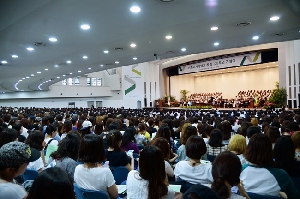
[259,150]
[284,153]
[252,130]
[52,183]
[293,126]
[128,136]
[50,129]
[216,138]
[35,140]
[67,126]
[17,127]
[207,130]
[8,135]
[152,168]
[296,139]
[68,147]
[99,128]
[91,149]
[273,133]
[163,145]
[189,131]
[164,131]
[113,140]
[226,130]
[195,147]
[226,167]
[113,126]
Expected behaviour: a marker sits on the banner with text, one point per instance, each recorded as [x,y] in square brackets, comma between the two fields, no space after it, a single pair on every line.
[133,81]
[241,60]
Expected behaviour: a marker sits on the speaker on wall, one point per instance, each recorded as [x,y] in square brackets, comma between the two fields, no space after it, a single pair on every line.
[145,102]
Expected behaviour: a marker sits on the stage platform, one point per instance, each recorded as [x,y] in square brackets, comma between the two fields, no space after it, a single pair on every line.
[220,109]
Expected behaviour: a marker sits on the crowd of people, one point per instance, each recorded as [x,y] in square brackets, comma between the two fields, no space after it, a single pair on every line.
[211,154]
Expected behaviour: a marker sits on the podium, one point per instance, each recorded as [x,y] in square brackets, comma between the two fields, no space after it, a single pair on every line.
[251,105]
[160,103]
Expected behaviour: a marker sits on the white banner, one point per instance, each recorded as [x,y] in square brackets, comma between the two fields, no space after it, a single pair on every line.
[132,81]
[240,60]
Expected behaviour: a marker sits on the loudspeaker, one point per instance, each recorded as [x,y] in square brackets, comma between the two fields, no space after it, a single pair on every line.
[145,102]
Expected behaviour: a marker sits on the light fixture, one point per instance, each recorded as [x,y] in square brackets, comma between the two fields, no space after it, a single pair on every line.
[274,18]
[134,58]
[84,57]
[30,49]
[32,75]
[135,9]
[4,62]
[14,56]
[68,62]
[58,77]
[214,28]
[101,65]
[116,62]
[27,77]
[52,39]
[20,80]
[216,43]
[183,49]
[71,73]
[64,75]
[89,68]
[39,72]
[132,45]
[255,37]
[23,78]
[85,26]
[169,37]
[79,71]
[46,68]
[55,65]
[105,51]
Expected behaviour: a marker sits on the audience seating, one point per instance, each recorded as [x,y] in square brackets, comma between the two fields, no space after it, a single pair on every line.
[120,174]
[30,174]
[88,194]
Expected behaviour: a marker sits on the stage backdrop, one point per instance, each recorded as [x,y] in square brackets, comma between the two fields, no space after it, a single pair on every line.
[228,83]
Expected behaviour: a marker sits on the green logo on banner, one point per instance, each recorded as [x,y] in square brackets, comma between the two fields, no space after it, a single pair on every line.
[249,59]
[131,81]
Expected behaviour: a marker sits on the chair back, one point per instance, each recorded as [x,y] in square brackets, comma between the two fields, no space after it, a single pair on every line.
[88,194]
[120,174]
[30,174]
[257,196]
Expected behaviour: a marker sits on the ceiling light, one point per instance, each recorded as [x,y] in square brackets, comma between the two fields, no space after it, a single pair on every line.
[214,28]
[274,18]
[89,68]
[134,58]
[85,26]
[79,71]
[20,80]
[106,51]
[14,56]
[27,77]
[64,75]
[116,62]
[30,49]
[56,66]
[135,9]
[255,37]
[132,45]
[169,37]
[68,62]
[38,72]
[101,65]
[32,75]
[71,73]
[84,57]
[4,62]
[58,77]
[23,78]
[46,68]
[216,44]
[52,39]
[183,49]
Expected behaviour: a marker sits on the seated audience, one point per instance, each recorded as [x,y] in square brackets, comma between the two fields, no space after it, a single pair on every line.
[215,144]
[51,132]
[8,135]
[237,145]
[188,132]
[129,142]
[296,140]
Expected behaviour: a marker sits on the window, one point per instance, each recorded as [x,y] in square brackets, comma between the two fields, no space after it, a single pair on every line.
[70,81]
[88,81]
[64,82]
[76,81]
[99,81]
[94,81]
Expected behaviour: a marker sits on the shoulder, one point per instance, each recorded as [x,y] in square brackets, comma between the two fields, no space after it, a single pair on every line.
[12,191]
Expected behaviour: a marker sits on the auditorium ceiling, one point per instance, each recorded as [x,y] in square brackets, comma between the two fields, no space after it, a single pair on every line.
[46,41]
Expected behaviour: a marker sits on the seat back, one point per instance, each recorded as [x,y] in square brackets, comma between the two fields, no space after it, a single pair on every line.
[88,194]
[120,174]
[30,174]
[257,196]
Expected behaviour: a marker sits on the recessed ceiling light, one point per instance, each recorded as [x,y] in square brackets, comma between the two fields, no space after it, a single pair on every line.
[46,68]
[64,75]
[132,45]
[274,18]
[135,9]
[79,71]
[101,65]
[183,49]
[85,26]
[27,77]
[71,73]
[23,78]
[55,65]
[30,49]
[216,43]
[14,56]
[89,68]
[117,62]
[84,57]
[214,28]
[255,37]
[4,62]
[58,77]
[32,75]
[38,72]
[68,62]
[20,80]
[106,51]
[52,39]
[169,37]
[134,58]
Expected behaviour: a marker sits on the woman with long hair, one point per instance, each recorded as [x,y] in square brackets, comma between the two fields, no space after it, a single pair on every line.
[91,175]
[129,142]
[67,127]
[150,182]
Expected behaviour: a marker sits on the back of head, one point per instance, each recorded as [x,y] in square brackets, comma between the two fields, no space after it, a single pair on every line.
[189,131]
[114,139]
[237,143]
[35,140]
[226,130]
[163,145]
[296,139]
[216,138]
[195,147]
[8,135]
[226,168]
[52,183]
[252,130]
[91,149]
[273,133]
[199,191]
[68,147]
[164,131]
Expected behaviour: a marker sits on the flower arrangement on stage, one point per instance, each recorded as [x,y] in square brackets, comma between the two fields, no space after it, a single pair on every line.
[278,97]
[196,107]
